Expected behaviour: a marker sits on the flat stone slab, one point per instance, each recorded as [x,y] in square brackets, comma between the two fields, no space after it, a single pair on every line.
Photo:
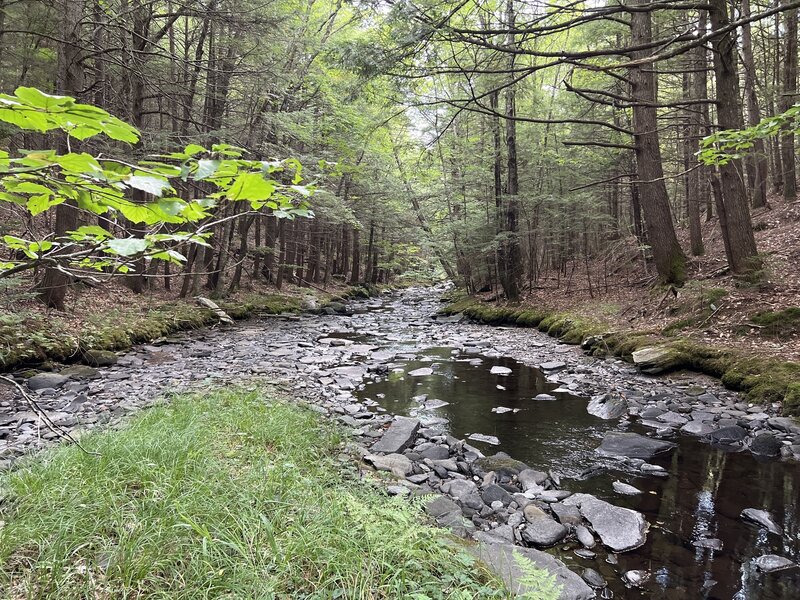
[398,437]
[499,556]
[769,563]
[423,372]
[500,371]
[620,529]
[633,445]
[655,360]
[763,518]
[552,365]
[397,464]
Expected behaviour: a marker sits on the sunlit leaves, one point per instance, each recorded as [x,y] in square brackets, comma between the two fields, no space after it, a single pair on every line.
[731,144]
[33,110]
[39,180]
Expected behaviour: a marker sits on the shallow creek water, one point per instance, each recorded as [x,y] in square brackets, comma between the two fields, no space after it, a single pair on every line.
[703,496]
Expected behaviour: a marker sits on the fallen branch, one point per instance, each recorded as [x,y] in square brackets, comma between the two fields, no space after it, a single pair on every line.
[40,412]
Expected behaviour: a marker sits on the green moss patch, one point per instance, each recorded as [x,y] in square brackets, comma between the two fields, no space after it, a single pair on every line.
[781,323]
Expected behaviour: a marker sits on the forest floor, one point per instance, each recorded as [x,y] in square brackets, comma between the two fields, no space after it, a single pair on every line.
[713,308]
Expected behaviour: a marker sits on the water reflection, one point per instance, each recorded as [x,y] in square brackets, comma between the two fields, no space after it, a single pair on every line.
[703,496]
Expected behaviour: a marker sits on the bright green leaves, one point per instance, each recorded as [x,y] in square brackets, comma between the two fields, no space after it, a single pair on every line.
[110,188]
[32,250]
[151,185]
[33,110]
[128,246]
[724,146]
[253,188]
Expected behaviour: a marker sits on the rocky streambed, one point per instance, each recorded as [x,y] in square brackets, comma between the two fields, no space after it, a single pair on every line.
[620,484]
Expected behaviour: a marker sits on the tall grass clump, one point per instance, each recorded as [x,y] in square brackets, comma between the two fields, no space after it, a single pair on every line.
[222,495]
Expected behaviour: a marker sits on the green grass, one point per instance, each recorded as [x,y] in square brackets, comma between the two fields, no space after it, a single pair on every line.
[219,495]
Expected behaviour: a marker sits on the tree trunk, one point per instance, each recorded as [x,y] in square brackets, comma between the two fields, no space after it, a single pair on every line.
[757,163]
[787,100]
[733,211]
[70,81]
[669,259]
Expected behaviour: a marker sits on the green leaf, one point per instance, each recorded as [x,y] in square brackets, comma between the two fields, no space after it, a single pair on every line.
[128,247]
[206,168]
[151,185]
[252,187]
[79,163]
[93,232]
[38,204]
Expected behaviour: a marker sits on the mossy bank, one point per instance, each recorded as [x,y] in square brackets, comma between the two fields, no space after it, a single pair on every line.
[34,337]
[763,380]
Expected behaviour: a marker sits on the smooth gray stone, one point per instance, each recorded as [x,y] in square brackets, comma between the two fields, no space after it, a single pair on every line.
[769,563]
[619,528]
[763,518]
[621,443]
[498,555]
[542,529]
[398,437]
[44,381]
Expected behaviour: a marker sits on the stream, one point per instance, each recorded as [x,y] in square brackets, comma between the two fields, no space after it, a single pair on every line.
[358,367]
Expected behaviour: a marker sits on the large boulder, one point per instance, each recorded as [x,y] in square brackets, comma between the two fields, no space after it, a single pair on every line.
[656,359]
[620,529]
[607,406]
[100,358]
[45,381]
[728,435]
[500,557]
[633,445]
[398,437]
[766,444]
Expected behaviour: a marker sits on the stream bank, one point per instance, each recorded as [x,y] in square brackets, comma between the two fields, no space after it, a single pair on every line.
[390,357]
[763,380]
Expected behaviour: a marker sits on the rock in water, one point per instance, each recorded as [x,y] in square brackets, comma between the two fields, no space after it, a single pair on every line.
[398,437]
[594,579]
[728,435]
[636,578]
[607,406]
[423,372]
[772,562]
[625,489]
[500,371]
[499,556]
[763,518]
[487,439]
[619,528]
[656,360]
[766,444]
[633,445]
